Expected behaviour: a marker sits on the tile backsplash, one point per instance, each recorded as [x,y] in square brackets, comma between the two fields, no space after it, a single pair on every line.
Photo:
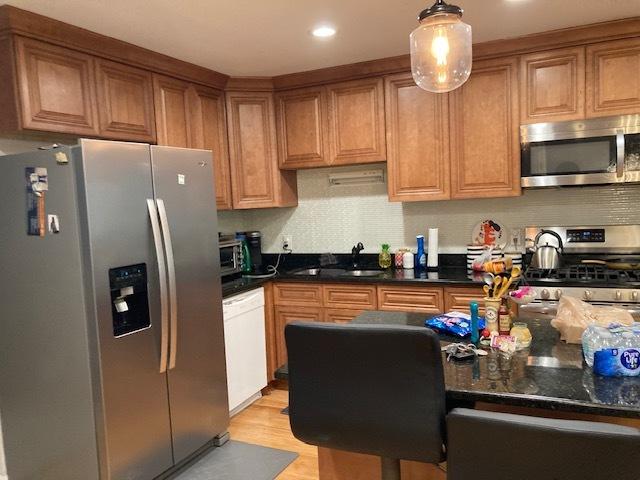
[334,218]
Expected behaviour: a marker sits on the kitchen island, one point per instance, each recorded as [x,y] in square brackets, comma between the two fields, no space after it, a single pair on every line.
[549,379]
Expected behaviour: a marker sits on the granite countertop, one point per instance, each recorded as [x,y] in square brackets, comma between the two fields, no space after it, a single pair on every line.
[239,285]
[550,374]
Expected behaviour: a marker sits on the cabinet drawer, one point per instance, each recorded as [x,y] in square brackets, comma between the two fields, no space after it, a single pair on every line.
[458,298]
[340,315]
[410,299]
[297,294]
[350,296]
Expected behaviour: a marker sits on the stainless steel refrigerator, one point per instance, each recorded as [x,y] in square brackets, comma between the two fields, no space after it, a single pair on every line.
[112,361]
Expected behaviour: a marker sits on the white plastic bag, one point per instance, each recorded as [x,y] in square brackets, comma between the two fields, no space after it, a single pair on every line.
[574,316]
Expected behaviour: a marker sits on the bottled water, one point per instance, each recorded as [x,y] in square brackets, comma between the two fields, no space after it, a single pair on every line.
[596,338]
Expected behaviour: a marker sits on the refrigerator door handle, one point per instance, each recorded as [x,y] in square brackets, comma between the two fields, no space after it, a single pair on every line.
[171,273]
[162,274]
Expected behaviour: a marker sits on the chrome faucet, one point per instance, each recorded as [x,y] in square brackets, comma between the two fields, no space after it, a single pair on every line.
[355,254]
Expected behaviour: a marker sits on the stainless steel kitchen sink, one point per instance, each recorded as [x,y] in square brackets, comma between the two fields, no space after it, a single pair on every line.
[325,272]
[362,273]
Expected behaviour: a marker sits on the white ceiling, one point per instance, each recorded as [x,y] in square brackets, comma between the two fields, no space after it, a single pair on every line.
[271,37]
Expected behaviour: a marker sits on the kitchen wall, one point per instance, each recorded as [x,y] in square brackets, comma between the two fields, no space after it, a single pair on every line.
[333,219]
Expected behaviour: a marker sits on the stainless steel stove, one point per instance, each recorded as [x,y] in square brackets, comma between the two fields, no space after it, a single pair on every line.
[597,284]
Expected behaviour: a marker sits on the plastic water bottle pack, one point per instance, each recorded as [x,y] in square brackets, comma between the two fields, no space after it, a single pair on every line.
[614,350]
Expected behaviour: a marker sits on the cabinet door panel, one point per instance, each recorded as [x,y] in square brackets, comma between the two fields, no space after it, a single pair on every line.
[340,315]
[350,296]
[410,299]
[209,132]
[458,298]
[298,294]
[417,124]
[285,315]
[255,178]
[302,128]
[485,137]
[172,111]
[356,122]
[56,86]
[553,85]
[613,78]
[125,102]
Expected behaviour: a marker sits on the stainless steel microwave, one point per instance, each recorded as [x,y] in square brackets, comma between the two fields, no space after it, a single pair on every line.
[585,152]
[230,256]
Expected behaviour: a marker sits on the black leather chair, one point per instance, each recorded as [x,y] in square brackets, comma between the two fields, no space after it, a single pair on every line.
[500,446]
[373,389]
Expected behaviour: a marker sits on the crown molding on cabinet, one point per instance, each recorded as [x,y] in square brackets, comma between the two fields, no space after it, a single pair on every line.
[28,24]
[567,37]
[249,84]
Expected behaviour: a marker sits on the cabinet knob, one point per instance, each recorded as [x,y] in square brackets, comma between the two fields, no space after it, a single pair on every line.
[588,295]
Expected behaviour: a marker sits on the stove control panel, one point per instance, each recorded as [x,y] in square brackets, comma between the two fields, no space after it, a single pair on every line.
[585,235]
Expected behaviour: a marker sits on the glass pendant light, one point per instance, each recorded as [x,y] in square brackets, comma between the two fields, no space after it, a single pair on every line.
[441,49]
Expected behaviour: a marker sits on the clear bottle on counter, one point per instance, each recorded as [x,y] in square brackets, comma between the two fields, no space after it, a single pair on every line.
[596,338]
[384,258]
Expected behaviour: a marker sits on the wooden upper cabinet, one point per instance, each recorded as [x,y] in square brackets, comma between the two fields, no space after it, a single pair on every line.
[56,88]
[301,117]
[613,78]
[553,85]
[125,102]
[171,99]
[209,132]
[417,124]
[256,180]
[356,122]
[484,119]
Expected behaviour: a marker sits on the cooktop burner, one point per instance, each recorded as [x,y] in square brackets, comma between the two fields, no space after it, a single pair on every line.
[584,273]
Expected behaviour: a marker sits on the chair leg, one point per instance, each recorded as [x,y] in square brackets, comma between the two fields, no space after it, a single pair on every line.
[390,468]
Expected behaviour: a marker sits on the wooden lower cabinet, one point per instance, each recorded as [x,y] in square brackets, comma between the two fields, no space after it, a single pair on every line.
[340,315]
[410,299]
[285,315]
[297,294]
[349,296]
[459,298]
[341,303]
[270,330]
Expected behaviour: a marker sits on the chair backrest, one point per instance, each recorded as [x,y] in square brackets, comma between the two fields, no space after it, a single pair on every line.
[374,389]
[500,446]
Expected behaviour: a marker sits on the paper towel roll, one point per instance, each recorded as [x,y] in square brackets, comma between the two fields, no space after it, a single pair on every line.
[432,248]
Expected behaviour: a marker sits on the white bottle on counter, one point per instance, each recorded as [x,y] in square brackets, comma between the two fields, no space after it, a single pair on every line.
[408,260]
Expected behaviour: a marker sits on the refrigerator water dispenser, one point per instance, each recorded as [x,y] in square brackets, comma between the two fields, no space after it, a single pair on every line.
[129,299]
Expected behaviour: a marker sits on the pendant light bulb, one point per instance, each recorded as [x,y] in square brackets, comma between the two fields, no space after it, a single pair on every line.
[441,49]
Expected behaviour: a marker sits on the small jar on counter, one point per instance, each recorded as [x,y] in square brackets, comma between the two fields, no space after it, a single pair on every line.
[398,257]
[522,334]
[408,260]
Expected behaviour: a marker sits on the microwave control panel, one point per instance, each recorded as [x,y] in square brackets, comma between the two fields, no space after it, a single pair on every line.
[591,235]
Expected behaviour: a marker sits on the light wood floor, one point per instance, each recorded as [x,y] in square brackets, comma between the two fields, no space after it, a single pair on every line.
[263,424]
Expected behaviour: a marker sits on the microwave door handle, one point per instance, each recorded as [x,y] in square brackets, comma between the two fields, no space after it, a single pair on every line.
[162,274]
[620,153]
[171,274]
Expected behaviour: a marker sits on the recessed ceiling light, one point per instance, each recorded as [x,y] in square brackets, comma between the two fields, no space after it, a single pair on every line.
[323,31]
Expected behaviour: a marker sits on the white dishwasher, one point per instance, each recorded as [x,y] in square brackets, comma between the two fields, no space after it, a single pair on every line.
[244,339]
